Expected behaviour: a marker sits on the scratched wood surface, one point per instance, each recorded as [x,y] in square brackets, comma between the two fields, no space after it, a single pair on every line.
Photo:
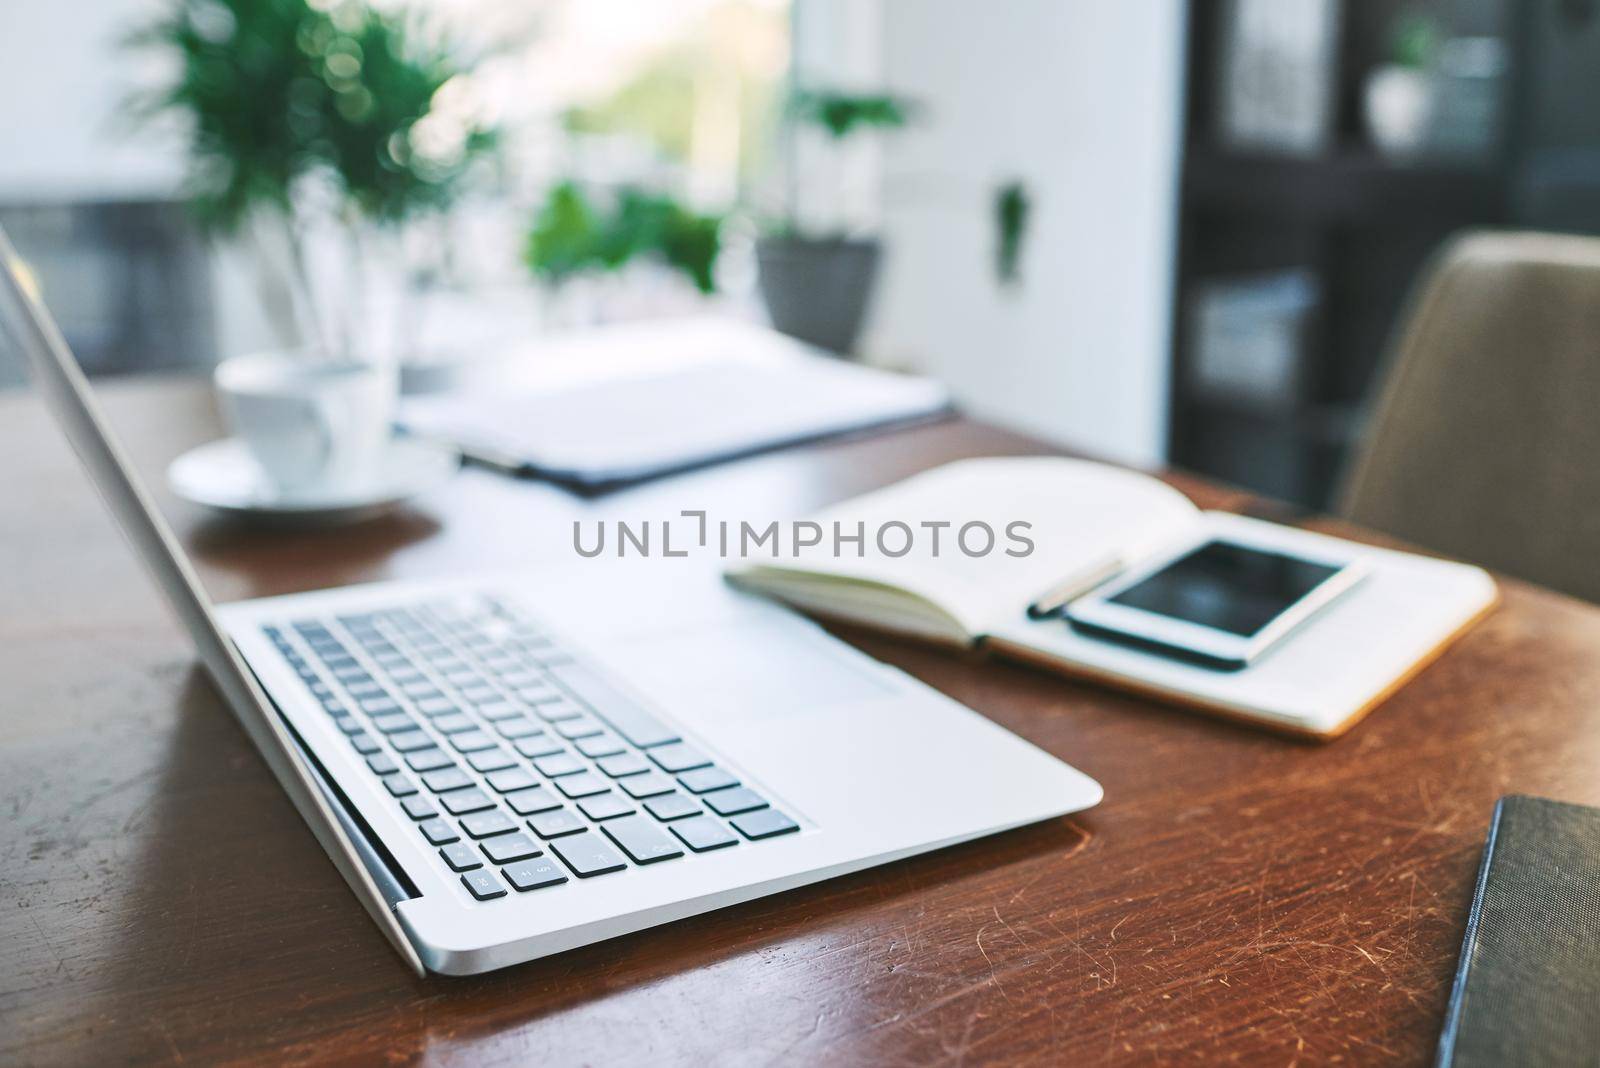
[1236,898]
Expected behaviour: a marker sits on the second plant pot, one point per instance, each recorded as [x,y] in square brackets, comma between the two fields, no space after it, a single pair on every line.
[818,290]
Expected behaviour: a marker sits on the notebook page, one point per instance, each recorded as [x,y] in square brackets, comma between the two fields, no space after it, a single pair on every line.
[1050,519]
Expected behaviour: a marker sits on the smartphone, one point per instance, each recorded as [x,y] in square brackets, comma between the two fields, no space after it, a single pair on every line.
[1221,602]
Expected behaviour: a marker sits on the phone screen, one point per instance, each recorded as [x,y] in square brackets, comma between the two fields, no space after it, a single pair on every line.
[1227,587]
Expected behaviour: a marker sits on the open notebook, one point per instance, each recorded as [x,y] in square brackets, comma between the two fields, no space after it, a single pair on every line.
[1087,521]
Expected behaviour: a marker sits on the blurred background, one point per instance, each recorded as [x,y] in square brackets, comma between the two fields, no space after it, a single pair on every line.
[1161,232]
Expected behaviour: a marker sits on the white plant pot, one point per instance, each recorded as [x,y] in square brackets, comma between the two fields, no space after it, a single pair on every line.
[1398,105]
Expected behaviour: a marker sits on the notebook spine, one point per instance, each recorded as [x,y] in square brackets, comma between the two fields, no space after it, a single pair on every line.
[1469,941]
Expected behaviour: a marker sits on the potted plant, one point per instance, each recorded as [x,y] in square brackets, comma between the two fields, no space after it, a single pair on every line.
[817,285]
[307,119]
[1397,96]
[574,235]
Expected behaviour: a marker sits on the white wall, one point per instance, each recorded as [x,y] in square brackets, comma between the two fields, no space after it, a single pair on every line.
[62,79]
[1081,99]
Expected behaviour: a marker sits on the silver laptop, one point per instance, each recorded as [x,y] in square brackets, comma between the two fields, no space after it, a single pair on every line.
[505,767]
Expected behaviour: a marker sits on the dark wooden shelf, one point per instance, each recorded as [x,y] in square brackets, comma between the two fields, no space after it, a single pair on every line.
[1333,425]
[1353,186]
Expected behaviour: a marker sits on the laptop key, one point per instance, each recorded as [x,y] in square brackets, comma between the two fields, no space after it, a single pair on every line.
[435,706]
[498,711]
[390,722]
[530,801]
[556,709]
[373,706]
[461,857]
[483,885]
[631,721]
[623,764]
[512,779]
[704,780]
[382,764]
[588,855]
[419,808]
[520,727]
[558,764]
[643,841]
[534,874]
[733,801]
[365,743]
[673,806]
[446,779]
[579,727]
[678,757]
[648,785]
[510,847]
[600,745]
[461,802]
[400,786]
[583,784]
[411,741]
[429,759]
[703,834]
[487,824]
[491,760]
[606,807]
[540,745]
[556,823]
[764,824]
[471,741]
[454,723]
[439,832]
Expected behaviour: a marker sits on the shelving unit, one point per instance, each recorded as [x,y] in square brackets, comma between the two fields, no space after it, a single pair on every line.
[1350,185]
[1362,224]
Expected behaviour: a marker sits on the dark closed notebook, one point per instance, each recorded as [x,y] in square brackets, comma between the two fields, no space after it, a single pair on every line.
[1528,986]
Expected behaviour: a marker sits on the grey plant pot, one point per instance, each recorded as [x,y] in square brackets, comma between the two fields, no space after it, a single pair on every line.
[818,290]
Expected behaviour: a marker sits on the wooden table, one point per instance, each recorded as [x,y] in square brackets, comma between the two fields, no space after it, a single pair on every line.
[1237,897]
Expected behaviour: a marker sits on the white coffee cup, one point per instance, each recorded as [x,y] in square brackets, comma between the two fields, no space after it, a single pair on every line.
[314,425]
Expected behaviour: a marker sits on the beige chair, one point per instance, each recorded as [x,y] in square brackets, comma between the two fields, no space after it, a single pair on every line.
[1485,441]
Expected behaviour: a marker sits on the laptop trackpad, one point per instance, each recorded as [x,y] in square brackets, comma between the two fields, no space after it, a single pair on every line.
[752,668]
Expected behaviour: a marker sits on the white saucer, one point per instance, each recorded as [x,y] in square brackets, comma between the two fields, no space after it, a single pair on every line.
[224,476]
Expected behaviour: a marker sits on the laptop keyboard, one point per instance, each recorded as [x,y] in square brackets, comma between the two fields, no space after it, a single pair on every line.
[520,765]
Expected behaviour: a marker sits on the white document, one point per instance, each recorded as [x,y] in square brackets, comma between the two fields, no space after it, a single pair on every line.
[627,402]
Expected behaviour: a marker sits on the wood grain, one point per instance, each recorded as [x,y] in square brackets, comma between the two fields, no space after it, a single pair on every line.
[1237,898]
